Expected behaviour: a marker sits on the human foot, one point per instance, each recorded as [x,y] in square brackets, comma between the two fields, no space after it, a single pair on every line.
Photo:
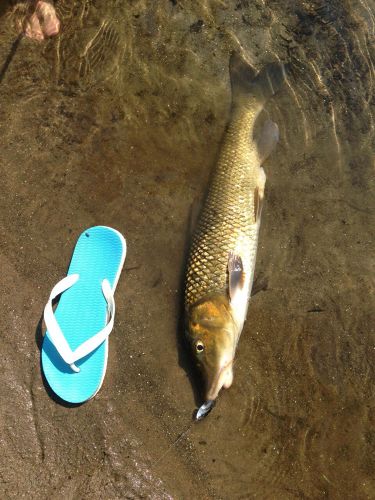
[43,21]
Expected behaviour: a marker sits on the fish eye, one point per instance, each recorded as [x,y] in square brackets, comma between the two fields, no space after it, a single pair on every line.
[199,346]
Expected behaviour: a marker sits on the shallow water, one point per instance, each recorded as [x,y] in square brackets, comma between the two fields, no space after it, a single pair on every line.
[118,121]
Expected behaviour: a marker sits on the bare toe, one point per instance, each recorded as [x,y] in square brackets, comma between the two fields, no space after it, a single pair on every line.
[32,28]
[49,21]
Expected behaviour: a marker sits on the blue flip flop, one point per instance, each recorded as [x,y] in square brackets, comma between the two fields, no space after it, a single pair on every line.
[75,346]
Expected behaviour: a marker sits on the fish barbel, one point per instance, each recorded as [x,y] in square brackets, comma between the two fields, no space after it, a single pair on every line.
[223,252]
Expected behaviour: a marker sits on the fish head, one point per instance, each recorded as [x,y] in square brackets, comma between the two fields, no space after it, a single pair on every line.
[212,334]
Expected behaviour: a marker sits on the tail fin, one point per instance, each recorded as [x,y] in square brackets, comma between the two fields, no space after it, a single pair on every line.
[246,83]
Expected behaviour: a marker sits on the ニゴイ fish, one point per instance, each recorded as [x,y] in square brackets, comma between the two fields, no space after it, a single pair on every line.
[222,256]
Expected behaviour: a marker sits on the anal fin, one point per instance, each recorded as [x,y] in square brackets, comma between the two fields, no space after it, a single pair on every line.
[259,194]
[267,139]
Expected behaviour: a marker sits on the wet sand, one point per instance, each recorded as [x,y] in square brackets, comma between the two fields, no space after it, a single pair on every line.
[118,121]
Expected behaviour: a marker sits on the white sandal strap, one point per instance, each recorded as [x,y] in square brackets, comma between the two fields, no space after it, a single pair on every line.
[56,334]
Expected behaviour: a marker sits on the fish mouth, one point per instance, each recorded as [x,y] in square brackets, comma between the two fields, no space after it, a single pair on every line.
[222,378]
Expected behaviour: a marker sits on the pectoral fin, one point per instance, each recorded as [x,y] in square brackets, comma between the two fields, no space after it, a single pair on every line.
[236,274]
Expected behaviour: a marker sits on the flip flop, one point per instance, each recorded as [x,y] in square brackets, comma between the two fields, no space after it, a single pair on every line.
[75,346]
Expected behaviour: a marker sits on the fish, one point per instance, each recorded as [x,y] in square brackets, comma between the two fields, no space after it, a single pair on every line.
[221,262]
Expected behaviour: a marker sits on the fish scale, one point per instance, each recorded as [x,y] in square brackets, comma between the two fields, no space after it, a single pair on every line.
[227,222]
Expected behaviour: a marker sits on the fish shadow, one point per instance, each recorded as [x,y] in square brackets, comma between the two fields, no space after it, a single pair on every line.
[185,356]
[185,361]
[39,342]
